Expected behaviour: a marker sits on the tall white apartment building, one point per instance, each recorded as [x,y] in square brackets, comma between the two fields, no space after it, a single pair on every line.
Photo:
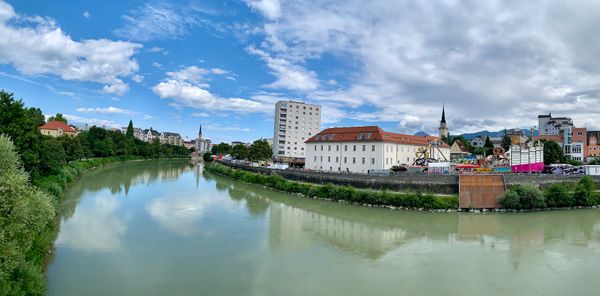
[295,122]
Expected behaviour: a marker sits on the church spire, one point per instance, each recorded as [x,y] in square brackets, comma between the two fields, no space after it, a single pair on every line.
[443,113]
[200,132]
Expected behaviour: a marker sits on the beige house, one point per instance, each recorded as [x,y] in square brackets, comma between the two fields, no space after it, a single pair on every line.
[57,129]
[458,150]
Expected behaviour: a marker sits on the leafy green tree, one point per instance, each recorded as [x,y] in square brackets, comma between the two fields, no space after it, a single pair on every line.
[129,133]
[52,157]
[553,153]
[523,197]
[240,151]
[22,126]
[58,117]
[207,157]
[72,148]
[557,195]
[583,191]
[222,148]
[25,213]
[260,150]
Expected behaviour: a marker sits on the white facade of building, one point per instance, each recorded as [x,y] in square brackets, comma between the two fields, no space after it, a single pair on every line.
[295,122]
[549,125]
[371,152]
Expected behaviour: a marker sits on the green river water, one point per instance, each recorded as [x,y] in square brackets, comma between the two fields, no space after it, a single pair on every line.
[168,228]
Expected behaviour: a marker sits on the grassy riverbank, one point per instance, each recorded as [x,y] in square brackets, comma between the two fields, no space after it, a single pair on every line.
[335,192]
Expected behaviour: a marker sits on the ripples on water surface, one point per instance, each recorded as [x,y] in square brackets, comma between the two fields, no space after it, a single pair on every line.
[168,228]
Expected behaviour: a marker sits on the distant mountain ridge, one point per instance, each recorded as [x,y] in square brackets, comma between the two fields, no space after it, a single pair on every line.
[486,133]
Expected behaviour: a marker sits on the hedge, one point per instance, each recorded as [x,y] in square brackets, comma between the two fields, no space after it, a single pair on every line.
[336,192]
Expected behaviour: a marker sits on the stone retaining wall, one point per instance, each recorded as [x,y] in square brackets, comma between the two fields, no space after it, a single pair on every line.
[441,184]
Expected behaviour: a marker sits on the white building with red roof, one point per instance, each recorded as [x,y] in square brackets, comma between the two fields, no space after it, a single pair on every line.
[360,149]
[57,129]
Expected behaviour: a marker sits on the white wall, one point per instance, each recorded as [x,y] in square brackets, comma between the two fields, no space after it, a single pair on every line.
[341,156]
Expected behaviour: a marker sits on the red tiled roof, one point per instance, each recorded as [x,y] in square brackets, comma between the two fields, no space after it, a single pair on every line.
[368,134]
[55,125]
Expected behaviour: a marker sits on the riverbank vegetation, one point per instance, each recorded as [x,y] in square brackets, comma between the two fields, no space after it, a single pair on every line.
[335,192]
[558,195]
[34,171]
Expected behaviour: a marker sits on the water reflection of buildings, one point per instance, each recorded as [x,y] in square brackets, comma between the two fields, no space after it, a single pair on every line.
[295,229]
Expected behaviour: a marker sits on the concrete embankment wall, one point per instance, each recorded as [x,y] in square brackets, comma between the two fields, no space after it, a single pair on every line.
[442,184]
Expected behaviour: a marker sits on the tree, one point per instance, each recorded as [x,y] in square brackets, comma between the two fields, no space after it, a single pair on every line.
[557,195]
[583,191]
[25,213]
[207,157]
[129,133]
[553,153]
[260,150]
[488,146]
[222,148]
[240,151]
[58,117]
[446,139]
[506,141]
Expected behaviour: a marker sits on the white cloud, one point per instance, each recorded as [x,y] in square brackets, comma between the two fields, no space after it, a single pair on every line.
[269,8]
[486,59]
[157,65]
[91,121]
[35,45]
[158,21]
[107,110]
[147,117]
[200,114]
[87,14]
[217,127]
[187,88]
[289,76]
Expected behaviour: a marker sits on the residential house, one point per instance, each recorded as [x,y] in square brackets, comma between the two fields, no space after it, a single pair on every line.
[458,150]
[58,128]
[478,142]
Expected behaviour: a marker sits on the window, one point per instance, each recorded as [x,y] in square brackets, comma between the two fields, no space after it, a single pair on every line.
[363,160]
[345,147]
[328,158]
[372,147]
[315,147]
[321,158]
[373,160]
[321,147]
[345,160]
[315,158]
[364,147]
[353,147]
[329,148]
[337,147]
[386,161]
[353,159]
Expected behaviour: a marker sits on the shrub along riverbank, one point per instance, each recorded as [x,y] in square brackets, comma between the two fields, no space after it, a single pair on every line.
[335,192]
[558,195]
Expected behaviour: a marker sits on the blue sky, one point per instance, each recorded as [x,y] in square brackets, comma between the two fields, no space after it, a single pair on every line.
[173,65]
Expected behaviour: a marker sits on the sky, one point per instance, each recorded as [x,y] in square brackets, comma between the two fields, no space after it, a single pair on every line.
[173,65]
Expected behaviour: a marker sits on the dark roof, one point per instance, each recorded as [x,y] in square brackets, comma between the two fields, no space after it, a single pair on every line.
[443,115]
[169,134]
[369,134]
[549,115]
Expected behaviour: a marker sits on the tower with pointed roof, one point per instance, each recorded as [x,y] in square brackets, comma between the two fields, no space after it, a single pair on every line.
[443,127]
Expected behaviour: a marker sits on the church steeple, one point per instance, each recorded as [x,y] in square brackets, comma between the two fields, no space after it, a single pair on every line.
[443,114]
[200,133]
[443,127]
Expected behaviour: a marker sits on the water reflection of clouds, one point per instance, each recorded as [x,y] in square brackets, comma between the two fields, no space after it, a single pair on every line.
[94,227]
[179,213]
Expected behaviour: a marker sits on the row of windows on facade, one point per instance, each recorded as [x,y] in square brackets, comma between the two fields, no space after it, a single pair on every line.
[281,126]
[360,136]
[364,148]
[337,160]
[303,107]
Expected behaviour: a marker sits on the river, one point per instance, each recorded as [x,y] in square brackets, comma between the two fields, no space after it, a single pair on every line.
[168,228]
